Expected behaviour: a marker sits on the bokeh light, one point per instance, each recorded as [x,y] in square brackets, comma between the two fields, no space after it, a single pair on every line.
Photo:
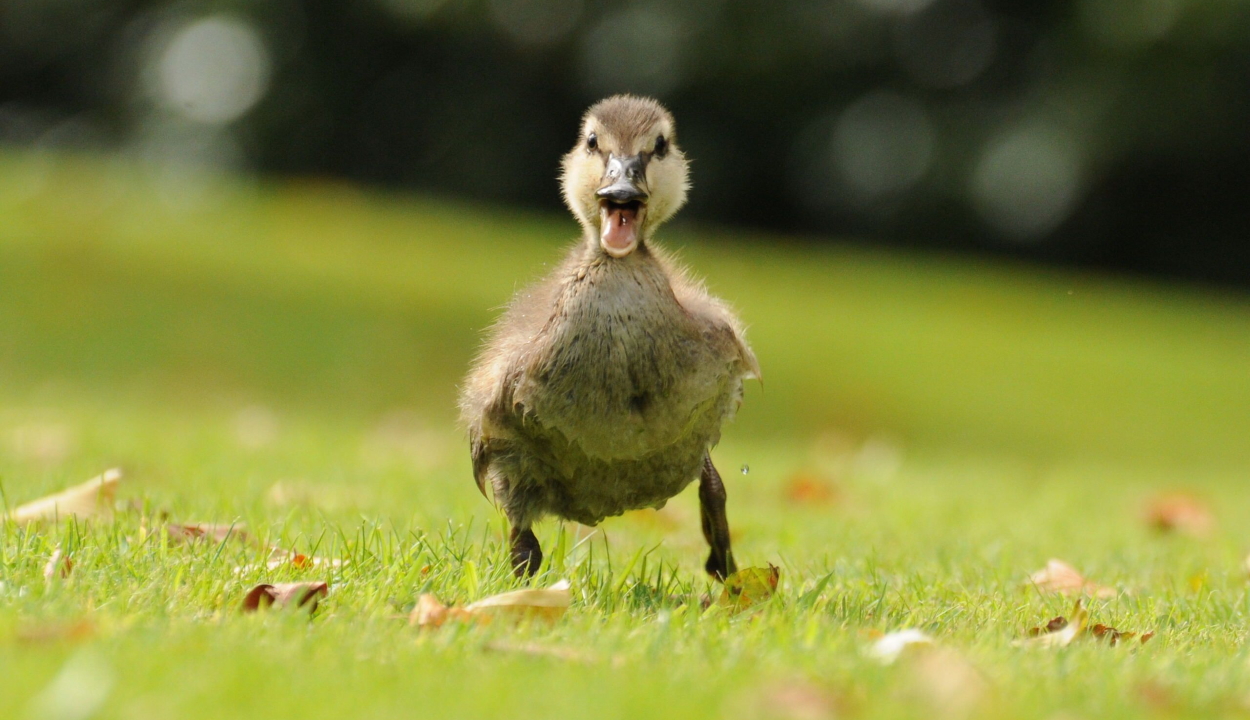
[1027,181]
[903,121]
[211,69]
[882,145]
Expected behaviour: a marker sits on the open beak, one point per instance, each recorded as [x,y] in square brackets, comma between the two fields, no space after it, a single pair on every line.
[622,204]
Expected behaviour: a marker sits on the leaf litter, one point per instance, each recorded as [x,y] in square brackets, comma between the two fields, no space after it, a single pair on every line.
[1060,577]
[1062,631]
[889,647]
[305,595]
[59,565]
[219,533]
[91,499]
[749,587]
[547,604]
[1180,513]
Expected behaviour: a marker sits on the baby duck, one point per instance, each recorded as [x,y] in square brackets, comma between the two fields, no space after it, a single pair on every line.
[603,387]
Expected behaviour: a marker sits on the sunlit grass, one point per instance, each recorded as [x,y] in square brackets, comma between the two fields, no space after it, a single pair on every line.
[286,357]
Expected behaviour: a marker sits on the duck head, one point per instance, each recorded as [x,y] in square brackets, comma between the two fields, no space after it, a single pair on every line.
[626,175]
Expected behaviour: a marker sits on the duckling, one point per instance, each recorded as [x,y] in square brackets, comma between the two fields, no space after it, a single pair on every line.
[603,387]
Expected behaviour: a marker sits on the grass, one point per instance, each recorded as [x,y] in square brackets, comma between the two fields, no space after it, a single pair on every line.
[285,356]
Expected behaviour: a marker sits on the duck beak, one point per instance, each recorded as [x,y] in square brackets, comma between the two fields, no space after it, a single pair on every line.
[624,176]
[622,203]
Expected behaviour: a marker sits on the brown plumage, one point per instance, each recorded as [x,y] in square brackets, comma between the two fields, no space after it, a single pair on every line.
[603,387]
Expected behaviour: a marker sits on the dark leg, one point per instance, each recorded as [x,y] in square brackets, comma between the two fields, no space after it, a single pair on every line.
[527,556]
[720,563]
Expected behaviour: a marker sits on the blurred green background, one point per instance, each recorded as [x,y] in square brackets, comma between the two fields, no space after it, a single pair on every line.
[319,299]
[1094,133]
[992,258]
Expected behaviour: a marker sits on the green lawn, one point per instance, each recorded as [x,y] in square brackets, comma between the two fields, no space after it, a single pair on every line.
[285,355]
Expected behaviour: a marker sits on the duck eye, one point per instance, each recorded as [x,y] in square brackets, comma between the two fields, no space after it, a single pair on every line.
[592,141]
[661,146]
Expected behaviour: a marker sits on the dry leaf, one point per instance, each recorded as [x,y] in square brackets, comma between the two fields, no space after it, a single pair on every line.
[1110,634]
[1060,577]
[58,565]
[546,604]
[300,595]
[1113,636]
[218,533]
[1055,625]
[750,586]
[429,612]
[283,558]
[280,558]
[90,499]
[1180,513]
[805,488]
[1061,631]
[889,647]
[1065,630]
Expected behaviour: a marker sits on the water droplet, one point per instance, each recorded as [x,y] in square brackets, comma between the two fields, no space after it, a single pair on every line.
[746,469]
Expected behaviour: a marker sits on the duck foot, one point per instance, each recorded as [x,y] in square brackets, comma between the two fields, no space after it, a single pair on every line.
[712,495]
[527,556]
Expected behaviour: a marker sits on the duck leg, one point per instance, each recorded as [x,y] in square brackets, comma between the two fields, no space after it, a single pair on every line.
[720,563]
[527,556]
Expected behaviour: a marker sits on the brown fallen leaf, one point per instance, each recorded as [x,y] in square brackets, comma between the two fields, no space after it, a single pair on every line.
[1061,631]
[546,603]
[806,488]
[93,498]
[429,612]
[1055,625]
[1060,577]
[59,565]
[218,533]
[750,586]
[543,604]
[1180,513]
[280,558]
[1113,636]
[1064,633]
[299,595]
